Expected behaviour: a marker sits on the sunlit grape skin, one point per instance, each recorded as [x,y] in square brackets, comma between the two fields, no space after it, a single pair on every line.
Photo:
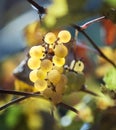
[36,51]
[33,63]
[33,75]
[50,38]
[58,61]
[40,85]
[46,65]
[60,51]
[64,36]
[54,76]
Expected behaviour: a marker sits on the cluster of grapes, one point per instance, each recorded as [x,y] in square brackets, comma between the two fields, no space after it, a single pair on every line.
[46,62]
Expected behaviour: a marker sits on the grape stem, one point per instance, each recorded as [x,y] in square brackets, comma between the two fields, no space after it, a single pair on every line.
[84,89]
[2,91]
[41,10]
[93,44]
[25,96]
[68,107]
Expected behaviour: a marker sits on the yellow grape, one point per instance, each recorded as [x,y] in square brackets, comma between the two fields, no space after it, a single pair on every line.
[48,92]
[64,36]
[40,85]
[79,66]
[33,63]
[37,51]
[60,50]
[50,38]
[60,87]
[54,76]
[33,75]
[46,65]
[41,74]
[58,61]
[60,69]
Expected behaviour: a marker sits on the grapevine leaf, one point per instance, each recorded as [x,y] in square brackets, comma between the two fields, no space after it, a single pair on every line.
[110,79]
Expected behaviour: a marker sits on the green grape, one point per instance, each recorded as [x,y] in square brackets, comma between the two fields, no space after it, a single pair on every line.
[46,65]
[64,36]
[75,81]
[33,63]
[37,51]
[54,76]
[79,66]
[40,85]
[60,50]
[58,61]
[60,86]
[41,74]
[50,38]
[60,69]
[33,75]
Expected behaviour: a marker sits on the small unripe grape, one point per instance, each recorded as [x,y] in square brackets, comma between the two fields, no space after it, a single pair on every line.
[58,61]
[64,36]
[41,74]
[37,51]
[79,66]
[33,63]
[40,85]
[33,75]
[50,38]
[61,50]
[54,76]
[46,65]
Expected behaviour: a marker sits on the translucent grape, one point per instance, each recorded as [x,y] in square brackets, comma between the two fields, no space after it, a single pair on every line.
[33,75]
[60,50]
[56,98]
[50,38]
[54,76]
[41,74]
[60,69]
[33,63]
[40,85]
[64,36]
[37,51]
[46,65]
[58,61]
[79,66]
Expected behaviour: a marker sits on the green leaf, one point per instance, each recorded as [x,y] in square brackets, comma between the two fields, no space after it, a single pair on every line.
[110,79]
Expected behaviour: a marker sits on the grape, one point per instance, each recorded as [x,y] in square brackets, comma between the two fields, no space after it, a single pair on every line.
[37,51]
[33,75]
[54,76]
[58,61]
[40,85]
[56,98]
[79,66]
[60,69]
[60,87]
[60,50]
[41,74]
[64,36]
[46,65]
[48,92]
[33,63]
[50,38]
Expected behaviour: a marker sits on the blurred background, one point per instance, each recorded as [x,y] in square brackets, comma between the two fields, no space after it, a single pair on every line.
[18,34]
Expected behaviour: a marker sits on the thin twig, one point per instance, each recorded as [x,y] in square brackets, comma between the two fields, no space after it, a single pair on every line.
[94,44]
[2,91]
[84,26]
[13,102]
[68,107]
[84,89]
